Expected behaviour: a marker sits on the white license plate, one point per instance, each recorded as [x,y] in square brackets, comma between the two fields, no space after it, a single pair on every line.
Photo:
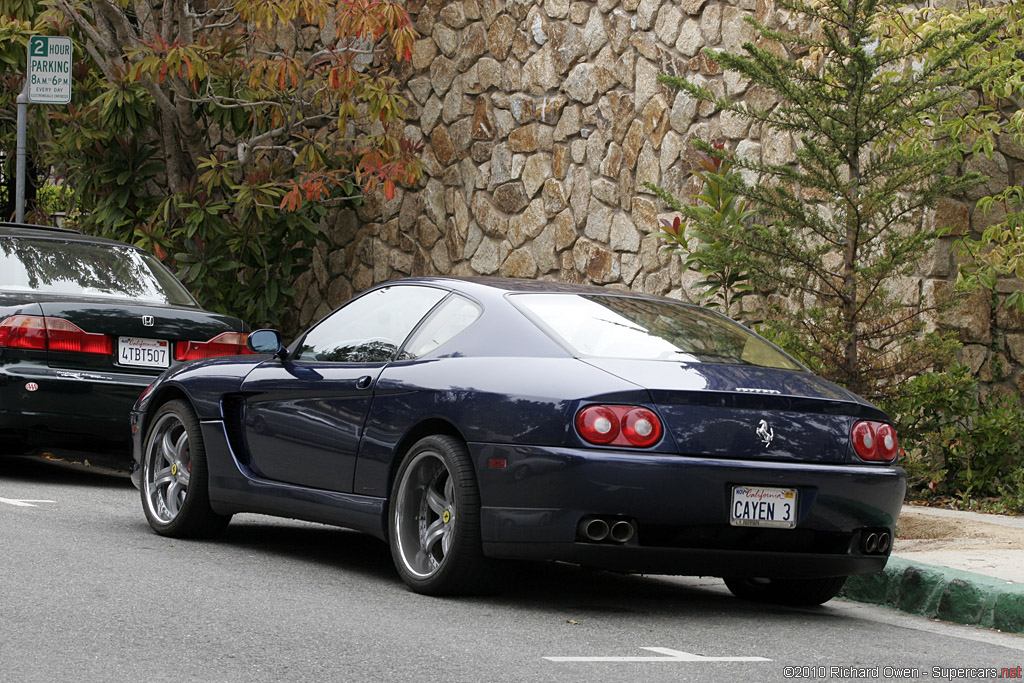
[759,506]
[144,353]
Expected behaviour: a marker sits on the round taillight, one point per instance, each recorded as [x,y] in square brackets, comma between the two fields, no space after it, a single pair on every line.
[597,424]
[631,426]
[886,442]
[875,441]
[641,427]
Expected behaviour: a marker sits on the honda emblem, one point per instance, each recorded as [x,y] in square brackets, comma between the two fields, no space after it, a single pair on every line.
[148,320]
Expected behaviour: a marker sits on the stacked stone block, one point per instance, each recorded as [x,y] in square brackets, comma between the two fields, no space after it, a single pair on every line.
[541,121]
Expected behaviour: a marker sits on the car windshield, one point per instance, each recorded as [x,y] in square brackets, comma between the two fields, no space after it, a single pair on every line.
[605,326]
[85,269]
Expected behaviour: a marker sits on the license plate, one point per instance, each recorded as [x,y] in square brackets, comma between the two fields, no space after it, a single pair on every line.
[759,506]
[144,353]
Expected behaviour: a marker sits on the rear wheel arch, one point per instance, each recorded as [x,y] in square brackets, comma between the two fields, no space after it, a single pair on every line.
[430,427]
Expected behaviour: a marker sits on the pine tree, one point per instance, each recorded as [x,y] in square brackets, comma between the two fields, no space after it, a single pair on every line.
[840,223]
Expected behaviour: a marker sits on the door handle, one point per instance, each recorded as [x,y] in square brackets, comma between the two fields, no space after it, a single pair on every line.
[364,382]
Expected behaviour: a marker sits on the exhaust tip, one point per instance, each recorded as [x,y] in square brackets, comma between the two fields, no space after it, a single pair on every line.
[884,541]
[593,528]
[871,543]
[622,531]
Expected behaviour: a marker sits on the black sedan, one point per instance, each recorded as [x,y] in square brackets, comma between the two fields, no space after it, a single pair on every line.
[470,421]
[85,326]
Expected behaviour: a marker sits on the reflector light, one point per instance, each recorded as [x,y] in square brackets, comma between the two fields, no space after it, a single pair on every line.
[875,441]
[55,334]
[609,425]
[225,344]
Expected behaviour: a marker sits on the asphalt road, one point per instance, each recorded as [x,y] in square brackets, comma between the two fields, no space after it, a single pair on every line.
[89,593]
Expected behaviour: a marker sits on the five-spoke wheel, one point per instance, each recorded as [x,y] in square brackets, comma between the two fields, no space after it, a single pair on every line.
[434,525]
[169,463]
[426,514]
[174,487]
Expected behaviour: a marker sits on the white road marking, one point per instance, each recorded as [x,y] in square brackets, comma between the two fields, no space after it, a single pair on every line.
[668,655]
[24,503]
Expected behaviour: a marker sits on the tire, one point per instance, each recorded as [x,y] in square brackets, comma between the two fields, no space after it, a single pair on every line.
[434,520]
[787,591]
[175,480]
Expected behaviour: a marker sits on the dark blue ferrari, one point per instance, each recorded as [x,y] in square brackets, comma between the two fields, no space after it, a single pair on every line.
[471,421]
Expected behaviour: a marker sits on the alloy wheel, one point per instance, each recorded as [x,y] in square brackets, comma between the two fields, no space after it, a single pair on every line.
[426,514]
[167,468]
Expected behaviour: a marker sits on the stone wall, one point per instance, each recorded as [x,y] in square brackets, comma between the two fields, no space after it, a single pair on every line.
[541,119]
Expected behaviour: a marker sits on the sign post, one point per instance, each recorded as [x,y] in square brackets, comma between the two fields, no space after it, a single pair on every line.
[47,81]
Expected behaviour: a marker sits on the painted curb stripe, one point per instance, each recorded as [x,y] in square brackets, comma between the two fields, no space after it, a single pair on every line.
[942,593]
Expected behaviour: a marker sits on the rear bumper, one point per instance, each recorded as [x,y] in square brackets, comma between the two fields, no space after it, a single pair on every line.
[51,407]
[691,561]
[679,506]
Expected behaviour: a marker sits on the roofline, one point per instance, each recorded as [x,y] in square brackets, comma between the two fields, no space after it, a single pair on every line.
[32,226]
[514,285]
[49,232]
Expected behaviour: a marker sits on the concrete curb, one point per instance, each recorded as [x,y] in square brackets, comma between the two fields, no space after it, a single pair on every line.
[942,593]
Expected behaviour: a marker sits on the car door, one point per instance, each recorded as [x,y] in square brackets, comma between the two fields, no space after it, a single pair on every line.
[304,417]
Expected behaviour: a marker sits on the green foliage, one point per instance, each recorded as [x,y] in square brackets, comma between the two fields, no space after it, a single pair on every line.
[840,222]
[1000,250]
[219,138]
[993,115]
[17,24]
[51,200]
[960,443]
[710,241]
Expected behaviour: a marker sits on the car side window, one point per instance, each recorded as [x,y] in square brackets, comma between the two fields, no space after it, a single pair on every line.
[450,318]
[372,328]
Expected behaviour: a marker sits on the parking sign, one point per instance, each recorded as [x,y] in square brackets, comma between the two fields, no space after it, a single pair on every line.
[49,69]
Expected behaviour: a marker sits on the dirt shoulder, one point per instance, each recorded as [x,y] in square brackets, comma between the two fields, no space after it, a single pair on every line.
[921,529]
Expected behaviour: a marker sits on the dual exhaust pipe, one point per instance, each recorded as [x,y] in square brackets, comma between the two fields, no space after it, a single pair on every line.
[876,542]
[612,530]
[599,529]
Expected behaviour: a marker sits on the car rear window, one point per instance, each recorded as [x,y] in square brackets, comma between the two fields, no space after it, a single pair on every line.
[83,269]
[605,326]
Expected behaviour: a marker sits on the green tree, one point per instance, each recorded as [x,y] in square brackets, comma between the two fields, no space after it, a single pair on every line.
[218,134]
[842,221]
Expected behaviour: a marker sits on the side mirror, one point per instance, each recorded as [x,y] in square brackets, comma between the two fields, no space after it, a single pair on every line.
[266,341]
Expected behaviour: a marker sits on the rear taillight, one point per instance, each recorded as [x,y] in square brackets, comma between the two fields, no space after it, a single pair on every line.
[23,332]
[55,334]
[631,426]
[226,344]
[65,336]
[875,441]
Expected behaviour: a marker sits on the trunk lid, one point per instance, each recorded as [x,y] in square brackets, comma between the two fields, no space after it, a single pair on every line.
[748,412]
[126,320]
